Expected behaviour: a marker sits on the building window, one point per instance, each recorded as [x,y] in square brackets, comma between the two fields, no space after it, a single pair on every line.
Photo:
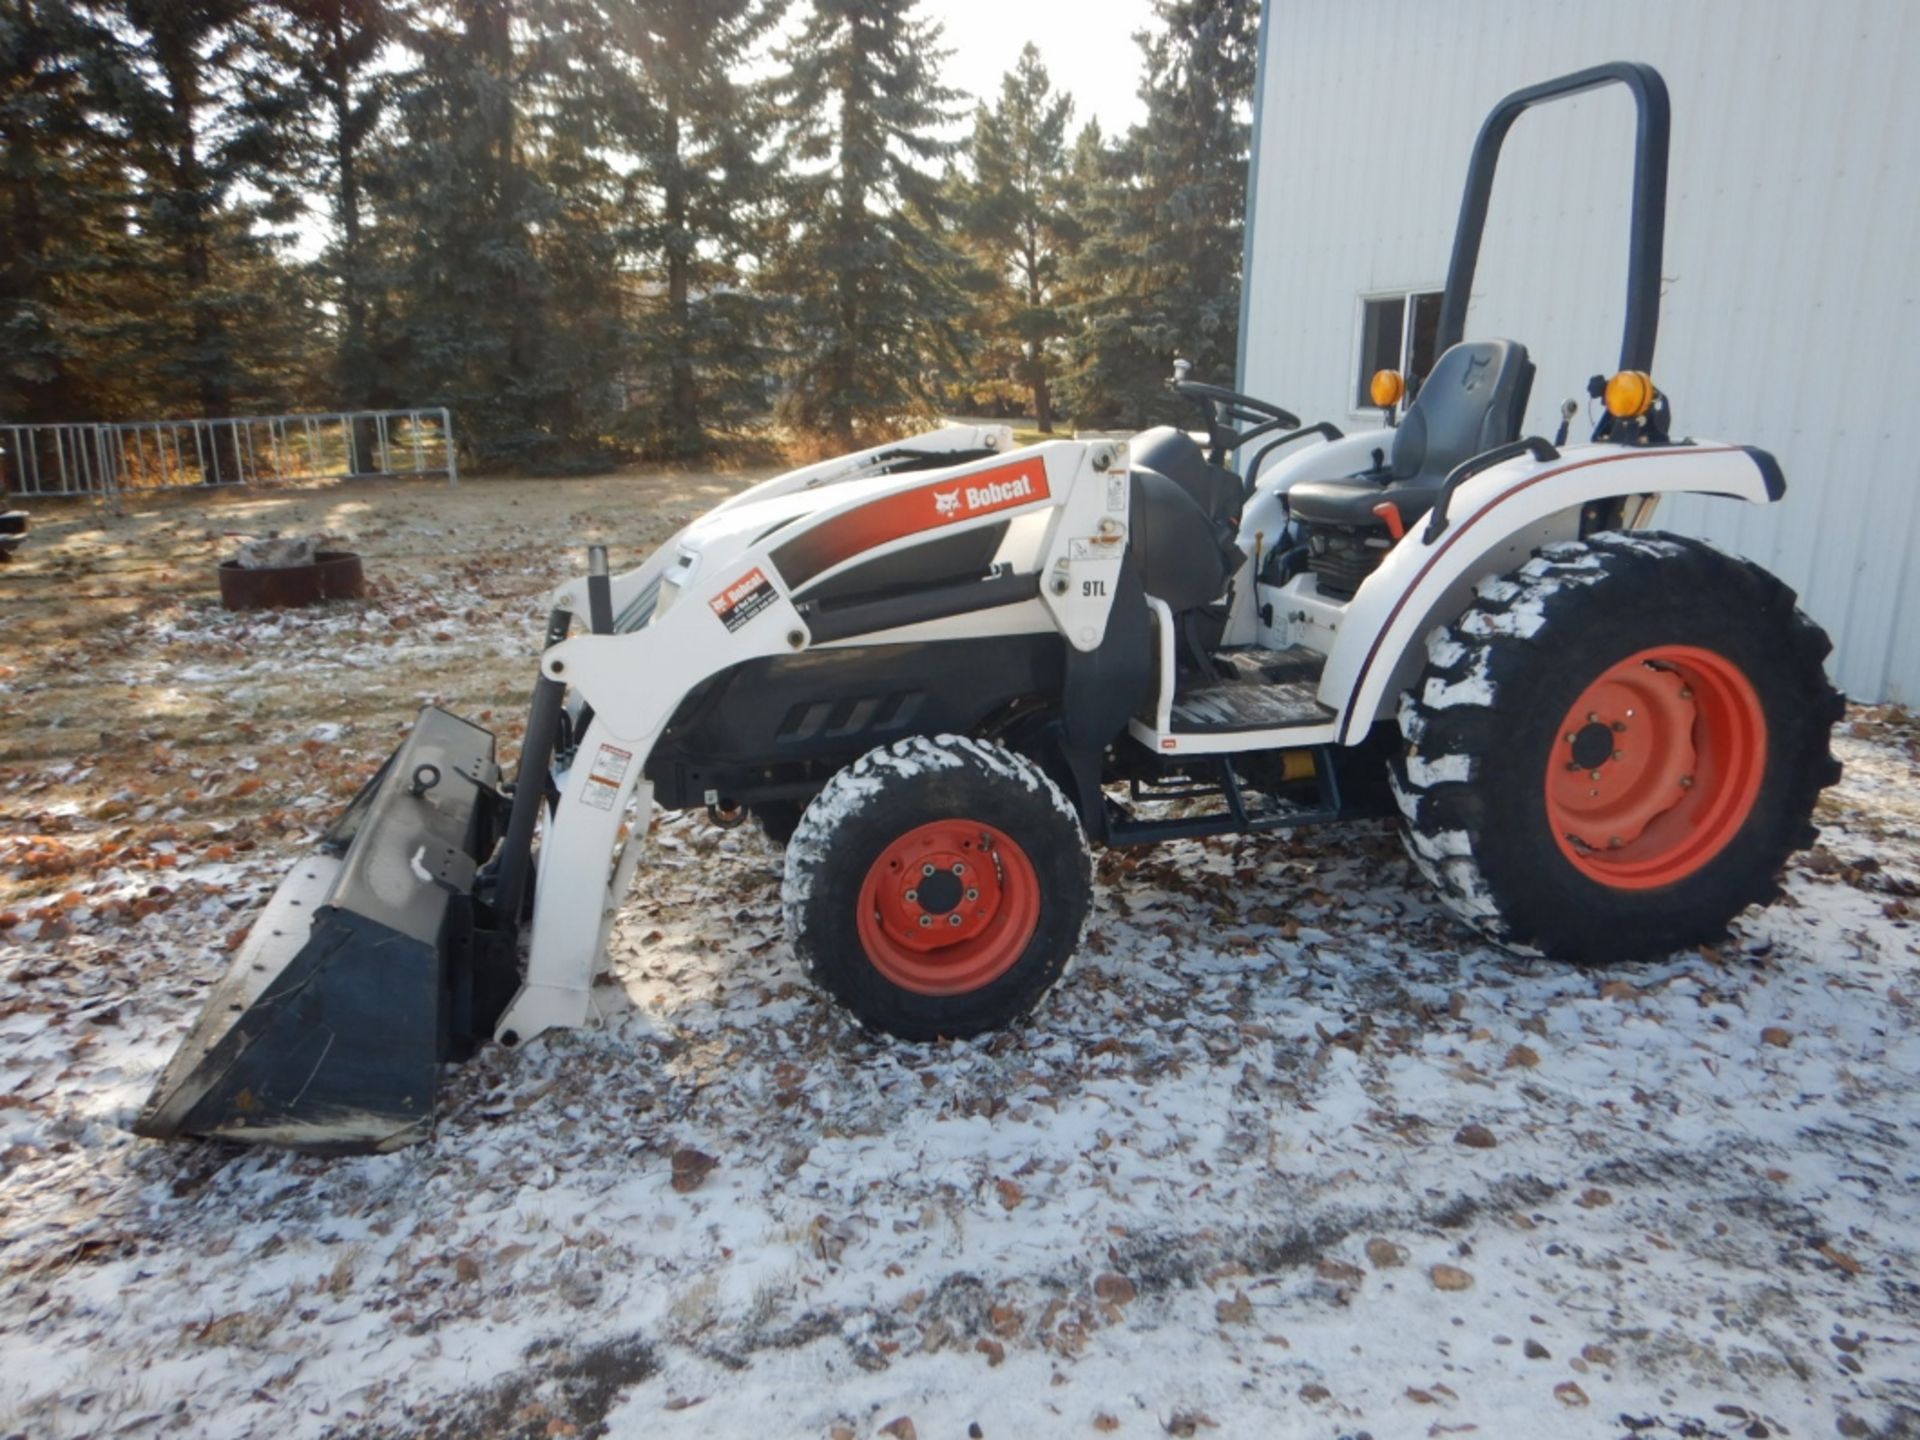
[1389,342]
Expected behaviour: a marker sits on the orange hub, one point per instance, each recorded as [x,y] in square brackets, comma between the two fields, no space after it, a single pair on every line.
[1656,767]
[948,907]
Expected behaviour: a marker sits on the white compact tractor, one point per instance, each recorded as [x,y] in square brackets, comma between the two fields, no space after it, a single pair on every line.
[940,669]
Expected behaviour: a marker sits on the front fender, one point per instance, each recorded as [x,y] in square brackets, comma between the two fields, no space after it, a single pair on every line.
[1495,521]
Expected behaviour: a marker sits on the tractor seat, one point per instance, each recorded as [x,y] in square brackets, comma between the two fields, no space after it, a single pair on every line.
[1475,399]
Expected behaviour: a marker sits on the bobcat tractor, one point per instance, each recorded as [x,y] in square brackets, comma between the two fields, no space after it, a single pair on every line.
[939,670]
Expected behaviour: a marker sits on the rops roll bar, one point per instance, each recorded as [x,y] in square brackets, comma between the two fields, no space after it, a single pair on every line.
[1649,201]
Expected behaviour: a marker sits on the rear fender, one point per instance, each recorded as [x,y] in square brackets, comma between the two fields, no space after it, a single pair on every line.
[1495,520]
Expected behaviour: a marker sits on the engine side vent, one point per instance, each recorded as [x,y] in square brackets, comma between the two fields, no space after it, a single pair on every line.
[1340,557]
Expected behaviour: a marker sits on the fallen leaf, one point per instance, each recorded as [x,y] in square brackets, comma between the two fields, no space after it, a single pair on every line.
[1841,1258]
[1475,1137]
[1521,1057]
[1115,1289]
[1010,1193]
[1776,1035]
[900,1429]
[1237,1311]
[1570,1394]
[691,1168]
[1338,1272]
[1105,1423]
[1593,1198]
[1450,1277]
[1385,1255]
[992,1349]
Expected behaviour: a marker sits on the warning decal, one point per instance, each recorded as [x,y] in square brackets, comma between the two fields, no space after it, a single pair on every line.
[743,599]
[603,779]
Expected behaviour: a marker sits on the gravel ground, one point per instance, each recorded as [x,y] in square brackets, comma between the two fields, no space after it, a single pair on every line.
[1287,1154]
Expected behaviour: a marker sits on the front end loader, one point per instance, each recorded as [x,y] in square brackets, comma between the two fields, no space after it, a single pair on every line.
[936,671]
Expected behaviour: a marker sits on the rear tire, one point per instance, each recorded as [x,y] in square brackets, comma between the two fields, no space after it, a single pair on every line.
[1613,752]
[937,887]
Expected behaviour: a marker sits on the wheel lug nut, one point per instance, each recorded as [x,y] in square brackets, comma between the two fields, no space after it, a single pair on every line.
[1594,776]
[926,920]
[1619,754]
[1686,782]
[926,869]
[973,894]
[1593,717]
[953,919]
[1619,726]
[1571,737]
[958,868]
[912,895]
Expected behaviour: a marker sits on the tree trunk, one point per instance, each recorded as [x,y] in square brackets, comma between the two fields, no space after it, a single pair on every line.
[211,358]
[1042,396]
[683,433]
[353,371]
[840,370]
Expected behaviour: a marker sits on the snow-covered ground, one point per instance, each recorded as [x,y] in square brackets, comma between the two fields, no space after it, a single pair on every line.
[1286,1154]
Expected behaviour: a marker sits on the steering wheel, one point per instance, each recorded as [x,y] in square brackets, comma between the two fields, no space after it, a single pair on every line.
[1237,406]
[1224,407]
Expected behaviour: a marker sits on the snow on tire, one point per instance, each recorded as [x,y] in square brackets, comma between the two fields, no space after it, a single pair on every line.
[937,886]
[1614,750]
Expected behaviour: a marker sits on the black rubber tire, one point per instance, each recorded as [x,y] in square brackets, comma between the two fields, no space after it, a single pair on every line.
[892,790]
[1482,720]
[778,819]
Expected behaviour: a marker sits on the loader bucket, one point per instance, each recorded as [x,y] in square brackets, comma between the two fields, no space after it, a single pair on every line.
[371,964]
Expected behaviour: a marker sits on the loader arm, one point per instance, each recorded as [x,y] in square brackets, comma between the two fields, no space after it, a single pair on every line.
[755,580]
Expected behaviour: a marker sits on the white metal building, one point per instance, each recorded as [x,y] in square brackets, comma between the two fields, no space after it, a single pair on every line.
[1791,313]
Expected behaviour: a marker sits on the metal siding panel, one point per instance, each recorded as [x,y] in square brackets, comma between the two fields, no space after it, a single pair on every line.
[1793,282]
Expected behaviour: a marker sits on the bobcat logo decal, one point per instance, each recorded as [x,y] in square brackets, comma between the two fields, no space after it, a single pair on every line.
[947,504]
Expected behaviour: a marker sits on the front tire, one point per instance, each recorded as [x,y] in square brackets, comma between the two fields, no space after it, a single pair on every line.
[1613,752]
[937,887]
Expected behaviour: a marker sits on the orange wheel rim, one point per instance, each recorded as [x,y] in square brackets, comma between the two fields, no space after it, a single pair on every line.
[1656,767]
[948,907]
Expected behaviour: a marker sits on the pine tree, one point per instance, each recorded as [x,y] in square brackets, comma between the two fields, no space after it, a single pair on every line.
[42,127]
[337,45]
[1161,276]
[496,198]
[206,109]
[865,268]
[1022,225]
[697,133]
[68,254]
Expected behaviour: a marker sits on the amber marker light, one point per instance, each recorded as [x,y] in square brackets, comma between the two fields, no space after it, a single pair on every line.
[1386,387]
[1630,394]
